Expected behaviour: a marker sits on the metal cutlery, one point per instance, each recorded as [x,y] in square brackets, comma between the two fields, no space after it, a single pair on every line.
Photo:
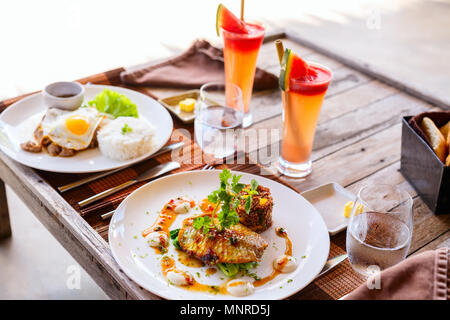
[208,167]
[94,177]
[107,215]
[330,264]
[149,174]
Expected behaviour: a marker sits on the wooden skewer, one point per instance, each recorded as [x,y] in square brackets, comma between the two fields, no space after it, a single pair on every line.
[242,9]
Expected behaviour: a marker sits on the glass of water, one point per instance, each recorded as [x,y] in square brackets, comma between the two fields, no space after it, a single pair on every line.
[218,119]
[379,236]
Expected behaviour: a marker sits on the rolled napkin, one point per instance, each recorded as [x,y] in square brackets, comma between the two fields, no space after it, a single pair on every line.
[425,276]
[200,64]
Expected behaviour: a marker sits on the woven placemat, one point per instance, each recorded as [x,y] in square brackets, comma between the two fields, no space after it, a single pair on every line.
[333,285]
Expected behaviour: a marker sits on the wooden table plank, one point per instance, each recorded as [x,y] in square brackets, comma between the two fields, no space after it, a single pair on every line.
[364,121]
[268,56]
[440,242]
[349,164]
[355,98]
[427,225]
[5,224]
[351,127]
[389,174]
[324,60]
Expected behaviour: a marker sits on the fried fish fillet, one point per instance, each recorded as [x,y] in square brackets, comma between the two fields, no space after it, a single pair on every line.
[237,244]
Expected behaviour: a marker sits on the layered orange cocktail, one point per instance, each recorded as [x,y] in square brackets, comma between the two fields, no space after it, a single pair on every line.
[303,87]
[242,42]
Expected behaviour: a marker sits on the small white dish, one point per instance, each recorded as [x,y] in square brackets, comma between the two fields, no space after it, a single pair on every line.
[330,199]
[66,95]
[172,104]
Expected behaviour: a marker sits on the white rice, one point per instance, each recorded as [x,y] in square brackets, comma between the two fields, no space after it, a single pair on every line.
[116,144]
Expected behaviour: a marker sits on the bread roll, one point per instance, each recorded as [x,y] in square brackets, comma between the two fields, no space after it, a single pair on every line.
[437,140]
[445,129]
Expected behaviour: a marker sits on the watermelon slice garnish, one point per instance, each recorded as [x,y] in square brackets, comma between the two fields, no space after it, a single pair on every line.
[227,20]
[292,67]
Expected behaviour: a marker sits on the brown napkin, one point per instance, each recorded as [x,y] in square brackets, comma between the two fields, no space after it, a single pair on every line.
[425,276]
[201,63]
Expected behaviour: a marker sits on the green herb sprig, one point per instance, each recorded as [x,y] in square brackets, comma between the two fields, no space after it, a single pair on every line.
[227,198]
[252,191]
[126,129]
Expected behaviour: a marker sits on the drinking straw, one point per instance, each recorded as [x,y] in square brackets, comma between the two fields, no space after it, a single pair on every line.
[280,49]
[242,10]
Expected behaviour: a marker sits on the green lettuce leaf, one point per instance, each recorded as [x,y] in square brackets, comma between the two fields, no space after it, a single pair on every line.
[228,269]
[231,269]
[115,104]
[174,237]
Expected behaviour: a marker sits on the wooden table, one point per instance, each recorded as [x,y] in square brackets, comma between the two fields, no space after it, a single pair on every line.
[357,142]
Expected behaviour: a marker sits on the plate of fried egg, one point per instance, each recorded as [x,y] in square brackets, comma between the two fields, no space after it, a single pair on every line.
[114,127]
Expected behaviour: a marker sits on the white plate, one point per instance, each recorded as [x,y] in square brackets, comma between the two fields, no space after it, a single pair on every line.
[330,199]
[303,223]
[19,120]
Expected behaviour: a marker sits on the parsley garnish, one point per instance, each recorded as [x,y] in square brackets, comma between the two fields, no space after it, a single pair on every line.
[250,192]
[126,129]
[227,197]
[254,184]
[202,222]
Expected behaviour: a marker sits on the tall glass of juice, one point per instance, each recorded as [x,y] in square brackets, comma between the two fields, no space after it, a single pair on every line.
[301,107]
[240,54]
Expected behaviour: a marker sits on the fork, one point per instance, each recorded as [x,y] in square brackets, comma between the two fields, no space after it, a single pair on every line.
[208,167]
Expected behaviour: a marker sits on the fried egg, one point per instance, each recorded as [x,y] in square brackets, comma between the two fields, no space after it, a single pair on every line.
[71,129]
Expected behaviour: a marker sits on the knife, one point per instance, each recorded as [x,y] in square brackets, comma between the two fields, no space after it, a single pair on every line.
[94,177]
[333,262]
[149,174]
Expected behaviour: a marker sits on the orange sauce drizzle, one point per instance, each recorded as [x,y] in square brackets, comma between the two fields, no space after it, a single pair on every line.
[211,271]
[168,264]
[207,207]
[164,220]
[163,223]
[188,260]
[237,283]
[200,287]
[288,251]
